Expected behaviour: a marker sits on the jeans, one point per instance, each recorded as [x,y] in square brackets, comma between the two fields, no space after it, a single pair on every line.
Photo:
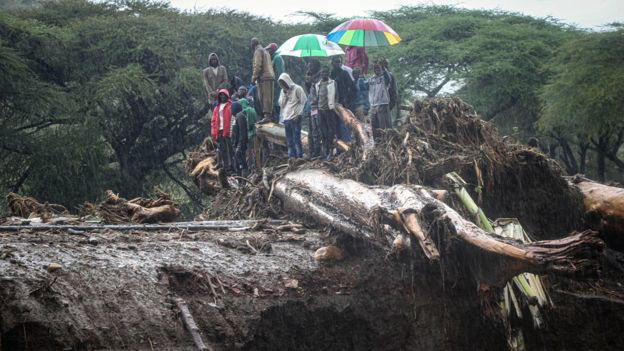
[343,132]
[293,137]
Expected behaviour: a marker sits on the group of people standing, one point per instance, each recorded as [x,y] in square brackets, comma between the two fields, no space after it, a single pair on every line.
[235,108]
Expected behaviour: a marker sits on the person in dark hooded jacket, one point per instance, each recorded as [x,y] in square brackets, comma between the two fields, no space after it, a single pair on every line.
[221,129]
[239,141]
[215,77]
[346,93]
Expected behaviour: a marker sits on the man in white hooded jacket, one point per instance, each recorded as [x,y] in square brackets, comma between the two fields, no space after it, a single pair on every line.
[292,100]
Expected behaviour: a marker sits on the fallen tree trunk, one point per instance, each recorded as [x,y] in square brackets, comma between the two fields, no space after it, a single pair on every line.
[276,134]
[604,206]
[360,210]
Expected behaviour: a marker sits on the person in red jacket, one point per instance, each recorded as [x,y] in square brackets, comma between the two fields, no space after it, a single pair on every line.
[221,129]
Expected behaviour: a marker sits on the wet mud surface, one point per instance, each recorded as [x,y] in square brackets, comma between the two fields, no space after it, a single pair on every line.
[115,291]
[258,290]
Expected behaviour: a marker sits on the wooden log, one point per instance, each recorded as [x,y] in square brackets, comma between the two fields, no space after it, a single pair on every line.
[606,201]
[163,213]
[366,139]
[358,209]
[206,166]
[190,325]
[604,206]
[276,133]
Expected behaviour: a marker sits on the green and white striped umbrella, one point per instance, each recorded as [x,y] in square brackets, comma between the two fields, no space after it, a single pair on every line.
[309,45]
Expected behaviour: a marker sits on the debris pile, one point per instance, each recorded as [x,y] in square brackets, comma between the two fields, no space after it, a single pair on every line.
[441,136]
[28,207]
[116,210]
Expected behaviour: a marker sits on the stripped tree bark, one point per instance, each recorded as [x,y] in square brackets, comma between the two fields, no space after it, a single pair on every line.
[276,134]
[360,210]
[357,127]
[604,206]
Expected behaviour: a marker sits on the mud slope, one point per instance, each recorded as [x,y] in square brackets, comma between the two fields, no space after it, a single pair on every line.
[115,291]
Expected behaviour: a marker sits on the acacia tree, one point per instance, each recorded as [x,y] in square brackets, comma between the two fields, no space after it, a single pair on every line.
[496,59]
[584,96]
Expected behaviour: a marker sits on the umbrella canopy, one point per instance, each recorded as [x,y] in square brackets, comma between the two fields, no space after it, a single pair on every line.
[364,32]
[309,45]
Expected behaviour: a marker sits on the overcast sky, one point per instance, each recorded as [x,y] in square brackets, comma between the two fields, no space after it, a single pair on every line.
[584,13]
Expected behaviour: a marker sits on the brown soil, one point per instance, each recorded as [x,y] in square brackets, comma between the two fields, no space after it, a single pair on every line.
[115,291]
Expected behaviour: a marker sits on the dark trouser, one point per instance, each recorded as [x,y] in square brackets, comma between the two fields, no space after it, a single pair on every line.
[240,156]
[293,137]
[380,118]
[314,136]
[251,154]
[329,130]
[226,155]
[276,114]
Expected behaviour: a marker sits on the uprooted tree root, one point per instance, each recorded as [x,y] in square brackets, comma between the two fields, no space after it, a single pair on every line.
[23,206]
[442,136]
[203,167]
[117,210]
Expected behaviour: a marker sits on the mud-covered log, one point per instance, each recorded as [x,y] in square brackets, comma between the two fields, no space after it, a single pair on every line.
[359,210]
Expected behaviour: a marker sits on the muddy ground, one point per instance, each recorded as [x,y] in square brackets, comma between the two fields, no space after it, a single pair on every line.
[258,290]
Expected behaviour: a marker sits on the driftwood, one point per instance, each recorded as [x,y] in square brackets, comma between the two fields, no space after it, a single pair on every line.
[139,210]
[359,210]
[365,137]
[190,325]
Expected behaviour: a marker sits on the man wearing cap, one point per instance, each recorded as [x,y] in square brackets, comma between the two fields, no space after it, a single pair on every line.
[264,78]
[278,69]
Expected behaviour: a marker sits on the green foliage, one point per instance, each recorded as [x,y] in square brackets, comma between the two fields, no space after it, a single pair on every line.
[108,94]
[585,93]
[496,58]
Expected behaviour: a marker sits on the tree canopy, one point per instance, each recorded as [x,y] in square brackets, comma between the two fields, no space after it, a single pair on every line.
[108,94]
[584,98]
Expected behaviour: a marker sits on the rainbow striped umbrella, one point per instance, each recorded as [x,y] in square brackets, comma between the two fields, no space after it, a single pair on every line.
[364,32]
